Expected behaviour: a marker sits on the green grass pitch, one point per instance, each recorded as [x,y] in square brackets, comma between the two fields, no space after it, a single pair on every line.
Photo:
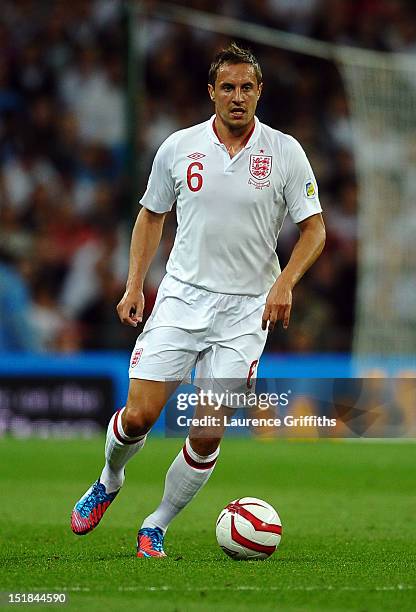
[348,511]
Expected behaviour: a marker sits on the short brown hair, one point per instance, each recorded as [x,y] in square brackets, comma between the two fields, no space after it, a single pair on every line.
[234,54]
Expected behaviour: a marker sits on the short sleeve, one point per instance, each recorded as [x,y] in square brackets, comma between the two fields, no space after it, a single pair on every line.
[300,190]
[160,195]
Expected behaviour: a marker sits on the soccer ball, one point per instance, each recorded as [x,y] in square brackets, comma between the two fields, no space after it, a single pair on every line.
[249,528]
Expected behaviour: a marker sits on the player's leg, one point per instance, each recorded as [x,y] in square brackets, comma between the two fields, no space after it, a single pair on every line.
[126,435]
[191,468]
[188,473]
[162,353]
[230,364]
[128,428]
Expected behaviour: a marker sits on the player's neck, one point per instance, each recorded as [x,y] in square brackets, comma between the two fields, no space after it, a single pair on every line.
[233,140]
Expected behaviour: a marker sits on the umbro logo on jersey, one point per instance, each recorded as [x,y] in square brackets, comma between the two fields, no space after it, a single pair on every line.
[196,155]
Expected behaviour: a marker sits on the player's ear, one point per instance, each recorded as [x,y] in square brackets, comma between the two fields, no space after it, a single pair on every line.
[211,92]
[260,90]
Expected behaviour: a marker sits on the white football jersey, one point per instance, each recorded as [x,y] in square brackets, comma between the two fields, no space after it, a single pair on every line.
[230,211]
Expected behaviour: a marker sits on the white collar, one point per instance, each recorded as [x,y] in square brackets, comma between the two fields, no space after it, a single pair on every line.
[253,138]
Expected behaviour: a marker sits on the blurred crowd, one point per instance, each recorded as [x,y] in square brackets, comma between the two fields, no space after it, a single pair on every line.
[66,208]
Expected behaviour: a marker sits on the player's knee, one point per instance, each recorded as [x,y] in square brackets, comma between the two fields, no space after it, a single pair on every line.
[204,446]
[144,403]
[137,421]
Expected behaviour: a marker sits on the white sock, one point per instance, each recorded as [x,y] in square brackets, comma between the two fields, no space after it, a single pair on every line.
[119,448]
[186,476]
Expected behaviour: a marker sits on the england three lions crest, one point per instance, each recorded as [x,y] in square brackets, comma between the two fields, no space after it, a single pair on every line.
[260,169]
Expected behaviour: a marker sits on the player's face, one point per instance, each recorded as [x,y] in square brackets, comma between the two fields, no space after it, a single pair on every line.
[235,95]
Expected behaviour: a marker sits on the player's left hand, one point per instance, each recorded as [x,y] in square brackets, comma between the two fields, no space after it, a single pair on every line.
[278,305]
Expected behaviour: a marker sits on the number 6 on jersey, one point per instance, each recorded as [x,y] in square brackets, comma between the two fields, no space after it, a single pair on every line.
[194,179]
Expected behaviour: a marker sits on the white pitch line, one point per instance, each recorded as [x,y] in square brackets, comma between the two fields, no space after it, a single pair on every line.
[58,589]
[135,588]
[399,587]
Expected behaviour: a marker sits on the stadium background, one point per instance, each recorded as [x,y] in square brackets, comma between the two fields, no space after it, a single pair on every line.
[80,121]
[66,201]
[88,91]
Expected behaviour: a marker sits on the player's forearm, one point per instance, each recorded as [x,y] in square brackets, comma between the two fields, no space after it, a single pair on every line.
[306,251]
[145,240]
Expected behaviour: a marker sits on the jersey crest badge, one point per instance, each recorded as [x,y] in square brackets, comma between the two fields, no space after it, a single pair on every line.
[260,169]
[136,357]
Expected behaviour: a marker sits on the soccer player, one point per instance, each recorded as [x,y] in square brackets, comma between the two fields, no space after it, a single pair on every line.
[233,180]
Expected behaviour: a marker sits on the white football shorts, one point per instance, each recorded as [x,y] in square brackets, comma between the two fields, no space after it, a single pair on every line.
[218,334]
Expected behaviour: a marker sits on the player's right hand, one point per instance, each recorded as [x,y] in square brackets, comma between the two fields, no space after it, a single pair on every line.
[130,308]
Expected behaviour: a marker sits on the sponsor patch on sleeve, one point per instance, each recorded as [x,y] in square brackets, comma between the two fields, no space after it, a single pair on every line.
[310,190]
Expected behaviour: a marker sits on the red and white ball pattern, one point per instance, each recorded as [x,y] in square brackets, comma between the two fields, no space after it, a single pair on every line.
[249,528]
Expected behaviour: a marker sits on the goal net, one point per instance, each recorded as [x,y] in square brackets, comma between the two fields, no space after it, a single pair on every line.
[382,94]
